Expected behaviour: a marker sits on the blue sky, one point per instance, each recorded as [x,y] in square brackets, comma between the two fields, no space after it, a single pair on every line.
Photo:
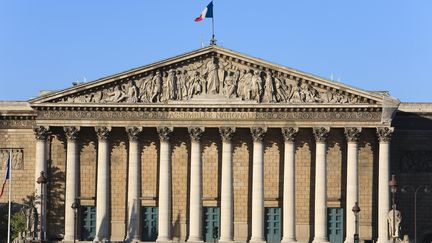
[370,44]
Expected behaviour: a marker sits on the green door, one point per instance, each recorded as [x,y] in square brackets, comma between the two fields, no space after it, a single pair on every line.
[335,225]
[211,224]
[88,222]
[273,224]
[149,219]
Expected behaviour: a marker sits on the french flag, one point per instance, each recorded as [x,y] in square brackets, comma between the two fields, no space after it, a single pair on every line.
[7,176]
[206,13]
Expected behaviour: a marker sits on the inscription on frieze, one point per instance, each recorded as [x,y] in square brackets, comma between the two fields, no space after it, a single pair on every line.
[197,115]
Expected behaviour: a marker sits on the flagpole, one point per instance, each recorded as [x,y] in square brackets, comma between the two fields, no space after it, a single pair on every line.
[213,40]
[10,195]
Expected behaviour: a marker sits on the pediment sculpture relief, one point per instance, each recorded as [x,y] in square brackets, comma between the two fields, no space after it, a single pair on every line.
[213,76]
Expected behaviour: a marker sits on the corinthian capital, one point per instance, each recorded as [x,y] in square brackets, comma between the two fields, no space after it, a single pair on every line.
[258,133]
[133,132]
[164,133]
[41,132]
[385,133]
[289,133]
[195,133]
[352,133]
[102,132]
[226,133]
[321,133]
[71,132]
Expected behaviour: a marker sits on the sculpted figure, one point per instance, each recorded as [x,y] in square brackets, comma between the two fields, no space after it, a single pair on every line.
[4,155]
[17,159]
[212,77]
[311,94]
[269,94]
[156,84]
[97,97]
[146,89]
[397,221]
[195,87]
[240,83]
[132,92]
[172,85]
[115,95]
[297,95]
[231,84]
[256,86]
[30,221]
[283,92]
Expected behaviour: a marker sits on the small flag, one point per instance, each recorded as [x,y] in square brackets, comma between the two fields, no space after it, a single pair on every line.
[206,13]
[7,176]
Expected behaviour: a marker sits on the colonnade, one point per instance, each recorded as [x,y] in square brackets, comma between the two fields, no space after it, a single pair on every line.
[227,205]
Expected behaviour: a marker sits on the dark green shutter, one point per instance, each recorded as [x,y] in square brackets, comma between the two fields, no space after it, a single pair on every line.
[211,217]
[335,225]
[273,224]
[88,222]
[149,228]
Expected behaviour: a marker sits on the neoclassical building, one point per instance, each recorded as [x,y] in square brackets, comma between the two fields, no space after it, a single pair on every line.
[214,144]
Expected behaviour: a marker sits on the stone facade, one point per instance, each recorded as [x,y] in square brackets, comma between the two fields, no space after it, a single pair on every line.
[163,96]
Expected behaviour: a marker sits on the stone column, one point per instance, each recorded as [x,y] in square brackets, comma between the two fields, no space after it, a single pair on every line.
[384,136]
[258,185]
[41,134]
[320,134]
[102,187]
[164,199]
[72,178]
[352,134]
[289,226]
[134,185]
[195,204]
[227,208]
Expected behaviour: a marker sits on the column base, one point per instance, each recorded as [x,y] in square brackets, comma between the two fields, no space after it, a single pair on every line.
[289,240]
[320,240]
[163,239]
[257,240]
[222,240]
[195,240]
[349,240]
[68,238]
[383,240]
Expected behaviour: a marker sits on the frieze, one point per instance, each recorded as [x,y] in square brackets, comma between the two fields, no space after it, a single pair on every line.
[17,158]
[213,75]
[10,124]
[206,115]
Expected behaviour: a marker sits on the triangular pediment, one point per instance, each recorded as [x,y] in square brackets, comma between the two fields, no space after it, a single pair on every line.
[212,75]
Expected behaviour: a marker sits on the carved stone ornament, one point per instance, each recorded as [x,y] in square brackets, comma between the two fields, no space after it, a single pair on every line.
[164,133]
[321,133]
[416,162]
[213,76]
[133,132]
[258,133]
[41,132]
[227,133]
[17,158]
[384,133]
[289,133]
[71,132]
[352,133]
[196,133]
[102,132]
